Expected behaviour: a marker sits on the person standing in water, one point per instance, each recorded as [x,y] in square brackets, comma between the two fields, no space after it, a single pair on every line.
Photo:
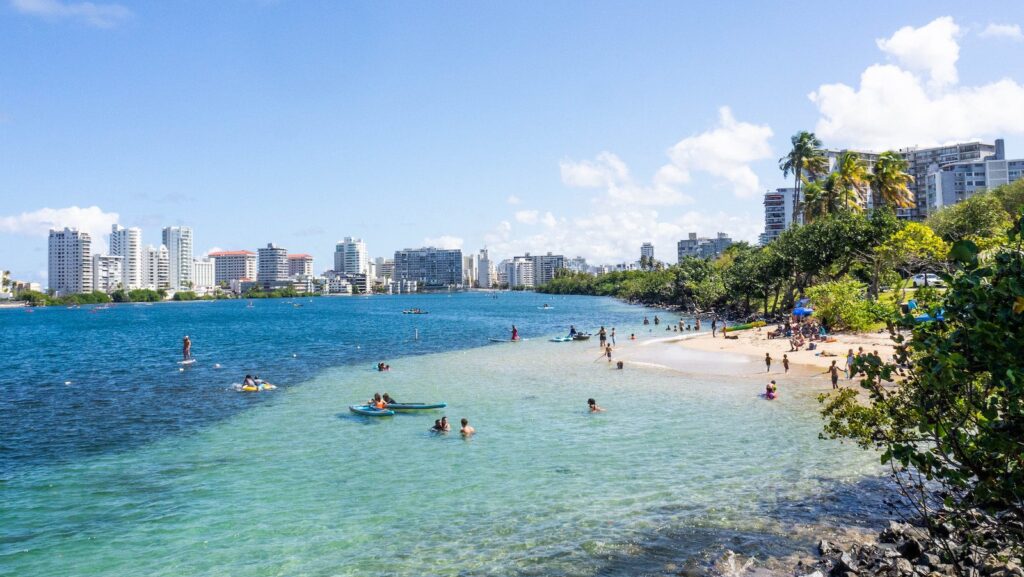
[466,429]
[613,336]
[834,371]
[768,362]
[785,363]
[186,348]
[515,333]
[714,327]
[602,335]
[608,352]
[594,408]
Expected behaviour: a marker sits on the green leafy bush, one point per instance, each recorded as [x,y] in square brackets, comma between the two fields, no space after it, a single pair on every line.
[841,305]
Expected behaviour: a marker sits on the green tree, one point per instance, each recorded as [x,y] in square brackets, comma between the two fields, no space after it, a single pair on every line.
[1011,196]
[954,428]
[980,219]
[804,159]
[912,249]
[852,180]
[890,182]
[840,305]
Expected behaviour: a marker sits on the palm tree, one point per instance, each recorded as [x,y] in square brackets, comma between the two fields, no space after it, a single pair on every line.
[815,203]
[890,181]
[852,177]
[805,158]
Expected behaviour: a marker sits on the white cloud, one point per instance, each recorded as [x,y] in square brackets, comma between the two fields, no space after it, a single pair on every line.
[1011,31]
[894,107]
[212,249]
[527,216]
[932,48]
[549,220]
[726,152]
[444,241]
[98,15]
[513,199]
[38,223]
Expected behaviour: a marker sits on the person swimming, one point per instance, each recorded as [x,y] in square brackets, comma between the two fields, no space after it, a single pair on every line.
[592,405]
[445,425]
[466,429]
[248,382]
[437,428]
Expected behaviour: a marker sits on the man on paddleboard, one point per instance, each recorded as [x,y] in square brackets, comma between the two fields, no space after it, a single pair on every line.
[186,349]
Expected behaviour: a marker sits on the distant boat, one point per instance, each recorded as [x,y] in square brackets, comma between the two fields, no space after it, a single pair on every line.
[415,312]
[250,305]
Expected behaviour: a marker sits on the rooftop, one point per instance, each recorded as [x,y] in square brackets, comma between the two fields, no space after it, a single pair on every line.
[231,253]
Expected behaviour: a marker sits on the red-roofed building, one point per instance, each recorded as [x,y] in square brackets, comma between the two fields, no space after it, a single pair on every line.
[233,265]
[300,265]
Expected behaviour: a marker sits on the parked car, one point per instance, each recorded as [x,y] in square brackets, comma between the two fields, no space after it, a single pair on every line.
[925,279]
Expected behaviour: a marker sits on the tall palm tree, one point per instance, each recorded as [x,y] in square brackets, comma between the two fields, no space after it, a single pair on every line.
[852,179]
[890,181]
[805,158]
[815,202]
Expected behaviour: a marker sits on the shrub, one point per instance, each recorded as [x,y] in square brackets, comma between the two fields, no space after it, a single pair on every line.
[841,305]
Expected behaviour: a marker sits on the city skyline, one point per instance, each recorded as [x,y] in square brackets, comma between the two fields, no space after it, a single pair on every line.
[287,147]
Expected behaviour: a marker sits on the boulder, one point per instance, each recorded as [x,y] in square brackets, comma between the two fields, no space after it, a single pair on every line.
[910,549]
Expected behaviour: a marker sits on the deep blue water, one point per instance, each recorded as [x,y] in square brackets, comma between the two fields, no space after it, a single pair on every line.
[77,382]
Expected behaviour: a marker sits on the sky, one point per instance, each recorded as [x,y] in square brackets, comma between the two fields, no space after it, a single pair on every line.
[581,128]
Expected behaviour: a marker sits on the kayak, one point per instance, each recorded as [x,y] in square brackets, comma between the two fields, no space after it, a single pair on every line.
[506,340]
[580,337]
[562,340]
[369,411]
[416,406]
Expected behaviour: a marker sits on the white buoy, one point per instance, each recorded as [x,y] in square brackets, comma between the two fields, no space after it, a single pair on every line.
[295,356]
[67,382]
[216,365]
[181,369]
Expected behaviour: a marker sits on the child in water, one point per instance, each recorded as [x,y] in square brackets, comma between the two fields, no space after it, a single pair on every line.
[592,404]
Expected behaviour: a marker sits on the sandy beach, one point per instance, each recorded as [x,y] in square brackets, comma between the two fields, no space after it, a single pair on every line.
[755,343]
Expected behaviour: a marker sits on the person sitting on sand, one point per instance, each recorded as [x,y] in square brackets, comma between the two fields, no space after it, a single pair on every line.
[466,429]
[593,406]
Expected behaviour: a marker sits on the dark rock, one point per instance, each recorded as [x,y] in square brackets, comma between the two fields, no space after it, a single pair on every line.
[911,548]
[930,559]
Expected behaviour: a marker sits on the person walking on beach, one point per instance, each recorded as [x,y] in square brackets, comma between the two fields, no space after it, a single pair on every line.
[613,336]
[849,364]
[834,371]
[602,335]
[186,348]
[714,327]
[608,352]
[785,363]
[768,362]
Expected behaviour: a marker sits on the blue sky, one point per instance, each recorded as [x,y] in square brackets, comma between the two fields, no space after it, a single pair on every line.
[577,127]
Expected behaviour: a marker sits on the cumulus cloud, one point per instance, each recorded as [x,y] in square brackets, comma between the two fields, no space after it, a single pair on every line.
[38,223]
[526,216]
[1011,31]
[725,152]
[444,241]
[97,15]
[513,199]
[614,236]
[212,249]
[932,48]
[896,106]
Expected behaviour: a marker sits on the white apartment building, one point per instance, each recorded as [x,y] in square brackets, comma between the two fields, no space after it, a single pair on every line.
[178,240]
[486,277]
[520,272]
[300,265]
[70,262]
[350,256]
[107,272]
[778,213]
[233,265]
[204,274]
[155,268]
[957,181]
[127,244]
[273,266]
[647,249]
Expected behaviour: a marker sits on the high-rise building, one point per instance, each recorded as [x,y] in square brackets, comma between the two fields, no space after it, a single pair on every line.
[957,181]
[107,272]
[647,249]
[577,264]
[233,265]
[127,244]
[204,274]
[485,270]
[520,272]
[545,266]
[386,269]
[703,247]
[778,213]
[430,267]
[155,268]
[350,256]
[70,262]
[469,270]
[273,266]
[300,265]
[178,240]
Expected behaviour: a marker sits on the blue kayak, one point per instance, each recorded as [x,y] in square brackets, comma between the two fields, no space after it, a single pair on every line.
[370,411]
[416,406]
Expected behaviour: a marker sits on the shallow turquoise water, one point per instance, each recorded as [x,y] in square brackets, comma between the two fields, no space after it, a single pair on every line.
[294,484]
